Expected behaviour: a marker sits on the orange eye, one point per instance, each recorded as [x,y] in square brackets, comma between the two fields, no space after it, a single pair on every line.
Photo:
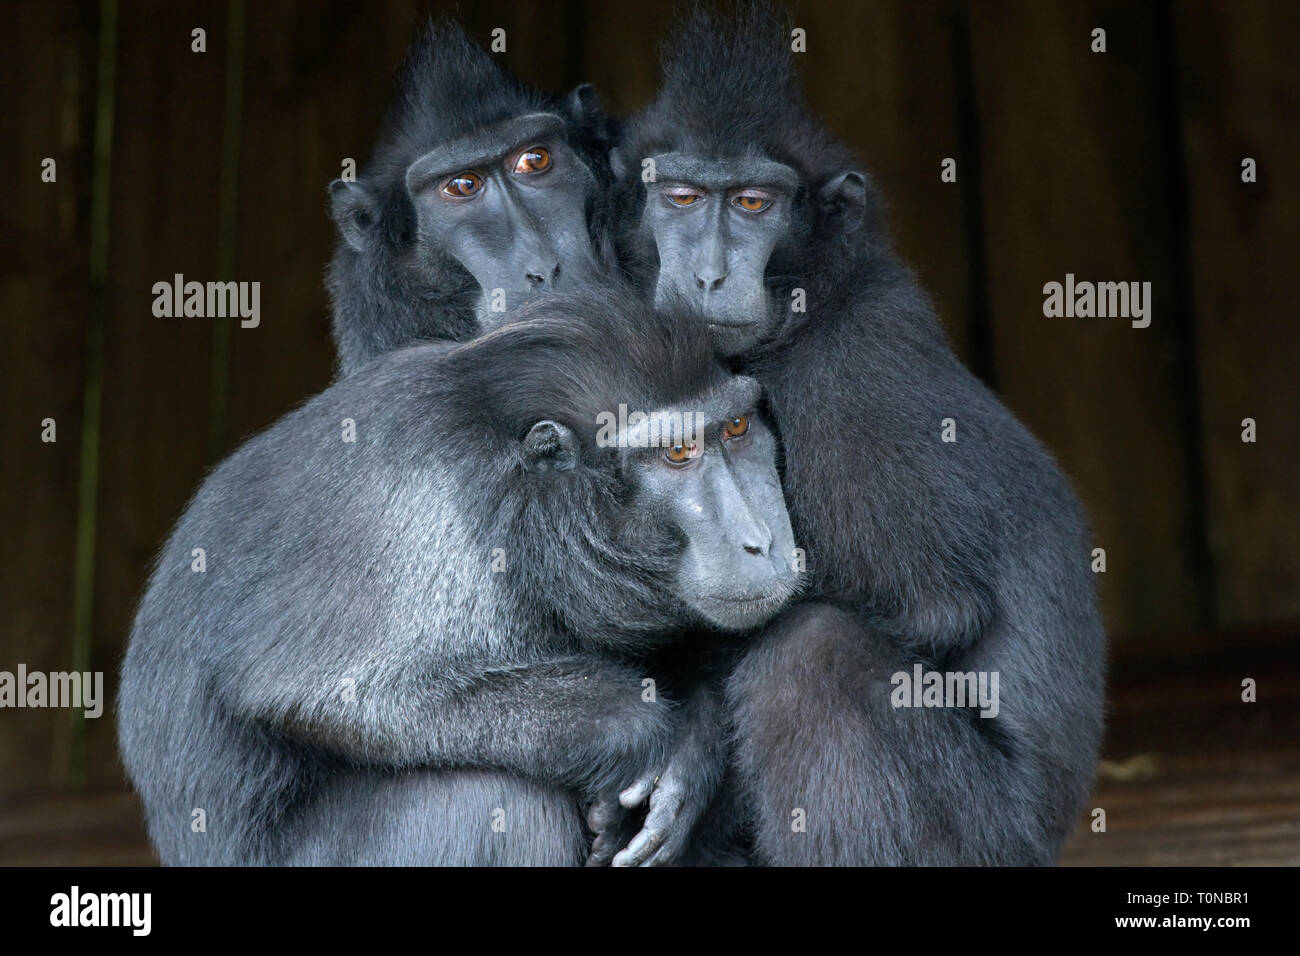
[681,454]
[463,185]
[752,203]
[684,199]
[736,427]
[535,160]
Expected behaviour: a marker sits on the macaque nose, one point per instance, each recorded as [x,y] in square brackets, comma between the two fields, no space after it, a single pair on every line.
[709,284]
[542,277]
[758,540]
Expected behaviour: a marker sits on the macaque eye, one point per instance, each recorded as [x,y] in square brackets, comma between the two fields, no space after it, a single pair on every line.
[683,197]
[751,203]
[535,160]
[463,186]
[681,454]
[737,427]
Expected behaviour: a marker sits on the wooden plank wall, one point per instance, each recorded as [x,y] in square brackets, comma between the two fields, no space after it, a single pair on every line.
[1116,166]
[1243,241]
[44,301]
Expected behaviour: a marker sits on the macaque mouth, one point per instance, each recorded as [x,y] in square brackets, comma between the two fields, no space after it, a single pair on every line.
[732,612]
[779,597]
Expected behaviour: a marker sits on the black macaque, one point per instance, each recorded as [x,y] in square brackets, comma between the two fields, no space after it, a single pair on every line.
[965,556]
[417,629]
[480,194]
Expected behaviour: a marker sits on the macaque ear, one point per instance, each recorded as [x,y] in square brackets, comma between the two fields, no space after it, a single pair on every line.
[584,105]
[355,213]
[585,113]
[844,196]
[550,446]
[618,164]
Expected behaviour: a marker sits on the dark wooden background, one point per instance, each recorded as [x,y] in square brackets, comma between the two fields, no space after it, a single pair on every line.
[1122,166]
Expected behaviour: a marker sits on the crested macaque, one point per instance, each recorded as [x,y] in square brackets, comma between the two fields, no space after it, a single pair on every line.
[428,644]
[481,194]
[967,556]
